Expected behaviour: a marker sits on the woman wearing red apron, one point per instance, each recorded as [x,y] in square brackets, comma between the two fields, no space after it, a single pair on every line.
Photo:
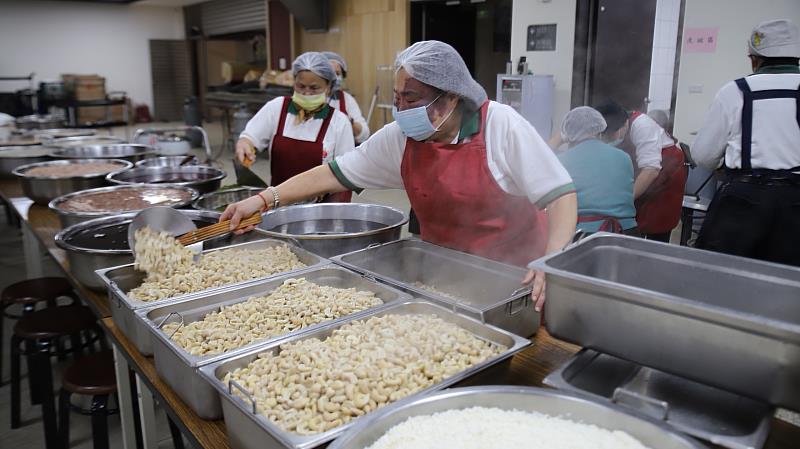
[477,174]
[660,172]
[302,131]
[343,101]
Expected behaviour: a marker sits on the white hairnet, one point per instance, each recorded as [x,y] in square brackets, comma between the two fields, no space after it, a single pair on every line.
[333,56]
[582,123]
[315,63]
[439,65]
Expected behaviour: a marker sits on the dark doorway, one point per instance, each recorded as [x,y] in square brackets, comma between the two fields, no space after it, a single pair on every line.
[613,51]
[479,31]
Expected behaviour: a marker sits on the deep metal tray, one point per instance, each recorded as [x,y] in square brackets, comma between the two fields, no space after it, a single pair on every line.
[484,289]
[708,413]
[247,430]
[124,278]
[179,368]
[724,321]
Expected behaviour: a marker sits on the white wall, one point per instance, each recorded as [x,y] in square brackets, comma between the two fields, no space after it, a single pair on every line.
[662,65]
[557,63]
[710,71]
[51,38]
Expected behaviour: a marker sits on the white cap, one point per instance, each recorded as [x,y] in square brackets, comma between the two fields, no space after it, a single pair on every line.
[582,123]
[775,39]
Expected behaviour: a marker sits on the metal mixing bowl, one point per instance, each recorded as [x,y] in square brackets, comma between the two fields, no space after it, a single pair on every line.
[650,433]
[167,161]
[129,151]
[202,178]
[69,218]
[42,189]
[82,141]
[330,229]
[217,201]
[103,243]
[15,156]
[38,121]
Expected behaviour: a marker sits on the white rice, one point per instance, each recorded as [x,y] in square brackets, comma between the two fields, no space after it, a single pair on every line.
[489,428]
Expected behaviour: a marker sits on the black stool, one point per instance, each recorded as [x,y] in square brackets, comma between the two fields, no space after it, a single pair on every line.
[28,293]
[91,375]
[39,336]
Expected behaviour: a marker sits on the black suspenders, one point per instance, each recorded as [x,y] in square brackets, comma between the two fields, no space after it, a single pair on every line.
[747,114]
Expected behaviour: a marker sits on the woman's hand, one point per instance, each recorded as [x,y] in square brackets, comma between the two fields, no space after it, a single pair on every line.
[245,153]
[535,278]
[236,212]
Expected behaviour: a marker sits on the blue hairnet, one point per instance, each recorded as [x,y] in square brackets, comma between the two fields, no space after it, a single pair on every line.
[316,63]
[439,65]
[582,123]
[333,56]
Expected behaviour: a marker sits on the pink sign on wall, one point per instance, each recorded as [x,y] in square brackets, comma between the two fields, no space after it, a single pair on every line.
[700,40]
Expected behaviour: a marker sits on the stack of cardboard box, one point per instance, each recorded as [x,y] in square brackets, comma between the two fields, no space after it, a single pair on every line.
[91,88]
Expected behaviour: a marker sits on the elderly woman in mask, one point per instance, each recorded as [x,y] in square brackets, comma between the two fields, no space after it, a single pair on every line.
[477,174]
[603,175]
[302,131]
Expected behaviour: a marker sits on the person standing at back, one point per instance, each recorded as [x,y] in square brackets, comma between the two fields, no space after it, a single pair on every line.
[753,130]
[343,101]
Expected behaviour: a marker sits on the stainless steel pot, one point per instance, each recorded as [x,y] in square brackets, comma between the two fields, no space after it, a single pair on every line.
[127,151]
[167,161]
[42,189]
[15,156]
[69,218]
[204,179]
[37,121]
[103,242]
[82,141]
[221,198]
[329,229]
[650,433]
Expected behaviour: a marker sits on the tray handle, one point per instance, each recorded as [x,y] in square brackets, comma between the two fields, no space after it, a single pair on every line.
[654,407]
[521,303]
[232,383]
[164,321]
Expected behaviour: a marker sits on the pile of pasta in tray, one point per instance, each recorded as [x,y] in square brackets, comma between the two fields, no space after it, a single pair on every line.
[312,385]
[172,269]
[296,304]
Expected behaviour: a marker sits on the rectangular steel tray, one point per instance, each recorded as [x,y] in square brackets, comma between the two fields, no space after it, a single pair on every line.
[724,321]
[484,289]
[124,278]
[179,368]
[247,430]
[708,413]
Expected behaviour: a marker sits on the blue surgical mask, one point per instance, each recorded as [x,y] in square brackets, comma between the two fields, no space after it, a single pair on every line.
[415,123]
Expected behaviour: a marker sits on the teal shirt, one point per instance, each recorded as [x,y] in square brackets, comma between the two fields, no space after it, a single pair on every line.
[603,178]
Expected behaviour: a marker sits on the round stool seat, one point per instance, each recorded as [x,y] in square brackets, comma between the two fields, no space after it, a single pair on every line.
[91,375]
[54,322]
[34,290]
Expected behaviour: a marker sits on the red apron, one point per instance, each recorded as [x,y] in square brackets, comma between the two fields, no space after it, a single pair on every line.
[342,104]
[291,157]
[658,209]
[461,206]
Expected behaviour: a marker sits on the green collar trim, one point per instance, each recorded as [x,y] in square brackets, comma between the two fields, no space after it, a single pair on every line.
[321,114]
[778,69]
[470,124]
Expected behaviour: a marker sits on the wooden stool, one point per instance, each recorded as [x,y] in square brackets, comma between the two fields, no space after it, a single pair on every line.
[39,336]
[28,293]
[91,375]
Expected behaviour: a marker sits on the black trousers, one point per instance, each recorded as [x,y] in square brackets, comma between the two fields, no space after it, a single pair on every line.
[755,218]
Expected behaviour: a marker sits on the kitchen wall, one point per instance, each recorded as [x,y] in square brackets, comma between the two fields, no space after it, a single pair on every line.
[662,66]
[367,33]
[51,38]
[558,62]
[702,74]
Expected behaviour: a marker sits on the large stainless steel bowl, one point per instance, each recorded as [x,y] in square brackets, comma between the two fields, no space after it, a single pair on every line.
[652,434]
[15,156]
[103,243]
[330,229]
[69,218]
[167,161]
[42,189]
[128,151]
[202,178]
[38,121]
[82,141]
[217,201]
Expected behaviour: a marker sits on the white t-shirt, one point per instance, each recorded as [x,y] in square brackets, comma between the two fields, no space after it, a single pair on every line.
[519,159]
[263,127]
[649,138]
[353,112]
[775,142]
